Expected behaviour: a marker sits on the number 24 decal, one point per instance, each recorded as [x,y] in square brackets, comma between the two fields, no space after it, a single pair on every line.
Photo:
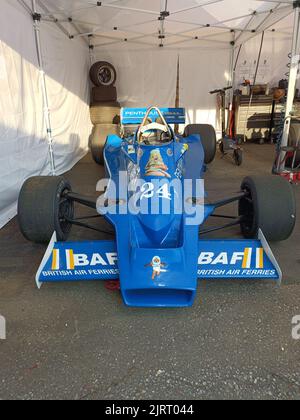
[148,191]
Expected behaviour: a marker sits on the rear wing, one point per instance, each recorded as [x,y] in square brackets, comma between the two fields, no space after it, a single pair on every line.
[135,116]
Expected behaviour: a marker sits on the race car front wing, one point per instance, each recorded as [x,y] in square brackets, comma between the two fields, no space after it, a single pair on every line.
[155,285]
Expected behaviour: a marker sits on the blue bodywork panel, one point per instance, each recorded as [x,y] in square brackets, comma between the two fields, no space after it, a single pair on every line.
[157,255]
[156,240]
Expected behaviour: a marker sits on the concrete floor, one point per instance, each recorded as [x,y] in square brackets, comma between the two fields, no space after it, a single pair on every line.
[78,341]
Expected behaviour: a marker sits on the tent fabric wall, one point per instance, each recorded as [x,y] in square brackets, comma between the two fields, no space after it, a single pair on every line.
[201,73]
[274,59]
[67,64]
[207,70]
[23,144]
[148,77]
[144,77]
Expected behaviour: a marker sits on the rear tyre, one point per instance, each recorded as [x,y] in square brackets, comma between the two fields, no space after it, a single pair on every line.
[103,74]
[98,140]
[270,206]
[208,139]
[44,209]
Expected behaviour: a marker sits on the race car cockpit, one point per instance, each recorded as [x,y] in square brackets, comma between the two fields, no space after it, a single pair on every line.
[154,133]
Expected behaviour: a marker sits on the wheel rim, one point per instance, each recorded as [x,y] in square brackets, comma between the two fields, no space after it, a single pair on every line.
[65,212]
[105,75]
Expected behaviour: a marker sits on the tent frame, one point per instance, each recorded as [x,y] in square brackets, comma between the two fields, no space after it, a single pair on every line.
[47,117]
[67,16]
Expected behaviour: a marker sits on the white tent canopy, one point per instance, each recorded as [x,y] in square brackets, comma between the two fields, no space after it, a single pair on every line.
[171,23]
[144,40]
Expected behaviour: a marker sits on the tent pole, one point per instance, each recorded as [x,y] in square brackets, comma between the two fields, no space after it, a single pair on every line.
[26,7]
[37,19]
[292,85]
[230,93]
[91,49]
[254,83]
[53,19]
[232,69]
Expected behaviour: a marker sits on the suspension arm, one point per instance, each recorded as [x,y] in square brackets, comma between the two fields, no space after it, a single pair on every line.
[81,199]
[230,200]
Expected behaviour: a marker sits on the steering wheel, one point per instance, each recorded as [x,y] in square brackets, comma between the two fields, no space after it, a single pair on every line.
[146,126]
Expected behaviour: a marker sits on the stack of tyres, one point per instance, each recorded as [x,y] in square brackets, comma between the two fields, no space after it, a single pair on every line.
[104,110]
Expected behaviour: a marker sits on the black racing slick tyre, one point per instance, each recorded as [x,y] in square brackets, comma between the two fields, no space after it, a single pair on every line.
[103,74]
[208,138]
[43,209]
[269,205]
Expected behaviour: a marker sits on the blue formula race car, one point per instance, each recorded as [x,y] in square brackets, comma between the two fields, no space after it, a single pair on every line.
[155,199]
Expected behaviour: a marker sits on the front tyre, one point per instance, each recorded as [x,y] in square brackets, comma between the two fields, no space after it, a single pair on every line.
[43,209]
[269,205]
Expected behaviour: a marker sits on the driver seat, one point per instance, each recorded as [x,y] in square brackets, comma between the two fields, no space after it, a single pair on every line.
[155,137]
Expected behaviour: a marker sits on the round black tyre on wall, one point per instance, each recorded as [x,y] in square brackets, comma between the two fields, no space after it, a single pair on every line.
[44,209]
[208,138]
[270,206]
[103,74]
